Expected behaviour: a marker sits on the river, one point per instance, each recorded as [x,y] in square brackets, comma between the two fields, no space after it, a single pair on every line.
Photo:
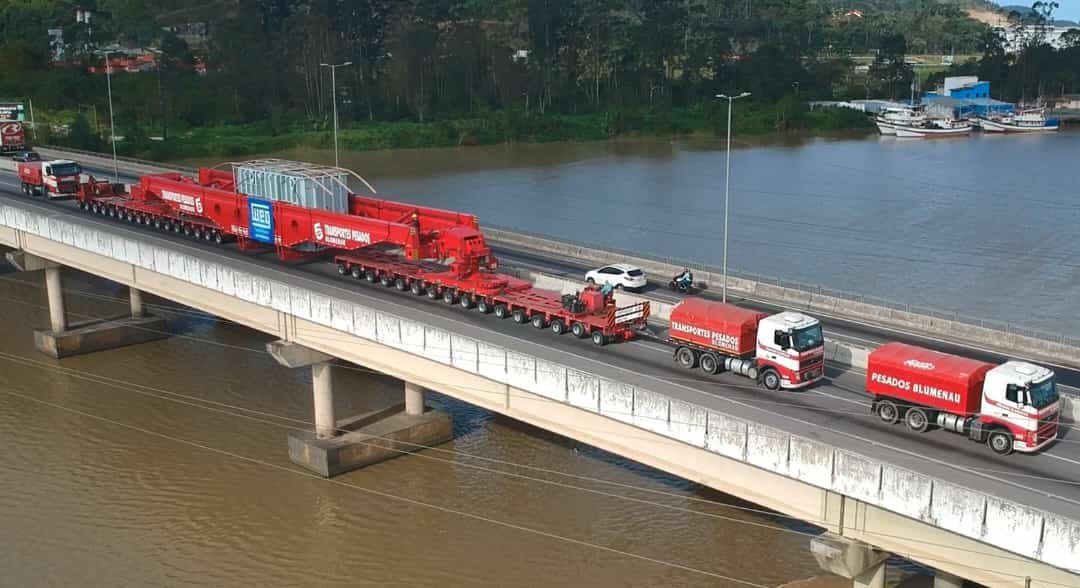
[984,226]
[165,464]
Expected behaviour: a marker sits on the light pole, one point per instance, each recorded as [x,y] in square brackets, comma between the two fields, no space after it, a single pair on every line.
[333,85]
[727,183]
[112,122]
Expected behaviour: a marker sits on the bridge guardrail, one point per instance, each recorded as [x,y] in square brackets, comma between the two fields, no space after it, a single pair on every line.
[1013,527]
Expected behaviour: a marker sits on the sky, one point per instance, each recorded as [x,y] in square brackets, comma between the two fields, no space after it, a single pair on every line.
[1067,9]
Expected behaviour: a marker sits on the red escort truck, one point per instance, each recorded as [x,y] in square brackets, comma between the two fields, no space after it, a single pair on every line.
[1011,407]
[56,179]
[785,350]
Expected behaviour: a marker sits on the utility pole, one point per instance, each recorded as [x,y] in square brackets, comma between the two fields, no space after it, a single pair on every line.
[727,185]
[333,89]
[112,122]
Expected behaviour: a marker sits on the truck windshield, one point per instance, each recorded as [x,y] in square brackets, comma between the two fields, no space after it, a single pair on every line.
[1044,393]
[808,338]
[66,169]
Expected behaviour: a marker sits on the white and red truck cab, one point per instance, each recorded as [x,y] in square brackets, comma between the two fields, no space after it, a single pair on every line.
[1011,407]
[785,350]
[57,178]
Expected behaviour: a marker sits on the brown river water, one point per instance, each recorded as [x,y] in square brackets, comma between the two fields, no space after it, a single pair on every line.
[165,464]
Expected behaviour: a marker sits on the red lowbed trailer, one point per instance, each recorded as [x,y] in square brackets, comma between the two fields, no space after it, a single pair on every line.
[427,251]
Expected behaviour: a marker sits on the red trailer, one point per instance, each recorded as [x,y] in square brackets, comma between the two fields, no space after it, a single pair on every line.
[714,326]
[428,251]
[12,137]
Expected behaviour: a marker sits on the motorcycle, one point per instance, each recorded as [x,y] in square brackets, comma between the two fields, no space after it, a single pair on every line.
[682,287]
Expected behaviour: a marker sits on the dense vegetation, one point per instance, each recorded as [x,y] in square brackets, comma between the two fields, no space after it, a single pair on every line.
[445,72]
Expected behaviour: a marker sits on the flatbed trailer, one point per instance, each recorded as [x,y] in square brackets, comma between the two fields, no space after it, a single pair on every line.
[585,314]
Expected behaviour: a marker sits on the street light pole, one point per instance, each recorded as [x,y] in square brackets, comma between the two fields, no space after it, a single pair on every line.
[112,122]
[333,86]
[727,185]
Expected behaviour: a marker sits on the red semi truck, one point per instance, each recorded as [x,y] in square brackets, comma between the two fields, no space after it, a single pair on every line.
[785,350]
[58,178]
[1011,407]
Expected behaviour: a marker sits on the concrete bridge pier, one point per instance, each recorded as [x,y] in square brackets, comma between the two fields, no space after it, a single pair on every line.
[339,446]
[850,559]
[64,338]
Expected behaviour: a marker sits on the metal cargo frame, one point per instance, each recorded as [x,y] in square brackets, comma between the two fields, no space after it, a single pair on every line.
[303,184]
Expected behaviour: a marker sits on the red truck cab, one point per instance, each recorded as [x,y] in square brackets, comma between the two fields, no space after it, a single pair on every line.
[57,178]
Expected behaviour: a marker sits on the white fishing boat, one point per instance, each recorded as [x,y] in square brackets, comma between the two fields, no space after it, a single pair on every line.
[1027,121]
[894,117]
[936,128]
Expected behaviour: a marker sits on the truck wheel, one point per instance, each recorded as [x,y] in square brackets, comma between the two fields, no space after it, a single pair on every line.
[370,276]
[558,327]
[433,292]
[500,311]
[1000,442]
[771,380]
[356,272]
[483,306]
[686,357]
[401,284]
[341,269]
[578,330]
[448,296]
[208,234]
[465,301]
[887,412]
[599,338]
[709,363]
[519,316]
[218,237]
[917,420]
[417,287]
[538,321]
[386,280]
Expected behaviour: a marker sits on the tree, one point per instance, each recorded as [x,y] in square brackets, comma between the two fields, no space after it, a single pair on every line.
[890,71]
[81,136]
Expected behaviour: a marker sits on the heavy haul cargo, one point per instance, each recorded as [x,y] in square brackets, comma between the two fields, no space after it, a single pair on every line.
[305,210]
[1011,407]
[59,178]
[785,350]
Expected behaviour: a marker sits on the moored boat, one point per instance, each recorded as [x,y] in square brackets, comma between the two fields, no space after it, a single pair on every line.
[1027,121]
[935,129]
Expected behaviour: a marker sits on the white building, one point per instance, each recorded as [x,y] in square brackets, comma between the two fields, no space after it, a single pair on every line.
[1015,38]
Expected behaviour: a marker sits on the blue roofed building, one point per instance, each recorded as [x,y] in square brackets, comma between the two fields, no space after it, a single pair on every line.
[964,96]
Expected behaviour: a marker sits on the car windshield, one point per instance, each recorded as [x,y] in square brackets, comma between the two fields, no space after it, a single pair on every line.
[634,273]
[1044,393]
[808,338]
[66,169]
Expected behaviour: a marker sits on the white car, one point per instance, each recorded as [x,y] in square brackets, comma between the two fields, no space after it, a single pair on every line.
[619,275]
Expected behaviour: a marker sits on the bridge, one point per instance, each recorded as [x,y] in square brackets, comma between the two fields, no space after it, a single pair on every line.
[818,456]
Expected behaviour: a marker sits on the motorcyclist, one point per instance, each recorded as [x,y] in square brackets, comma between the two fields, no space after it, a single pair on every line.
[685,279]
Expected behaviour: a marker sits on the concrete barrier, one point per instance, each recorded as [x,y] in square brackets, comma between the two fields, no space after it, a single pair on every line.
[993,520]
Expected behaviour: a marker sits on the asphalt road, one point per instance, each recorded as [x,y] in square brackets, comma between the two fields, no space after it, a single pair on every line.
[835,412]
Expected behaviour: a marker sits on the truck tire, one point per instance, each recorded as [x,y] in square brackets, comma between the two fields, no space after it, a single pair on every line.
[1000,442]
[386,279]
[417,287]
[599,338]
[433,292]
[356,272]
[465,301]
[341,269]
[501,311]
[538,321]
[917,420]
[578,330]
[887,411]
[686,357]
[558,327]
[218,237]
[519,316]
[710,364]
[482,305]
[448,296]
[401,284]
[370,276]
[770,379]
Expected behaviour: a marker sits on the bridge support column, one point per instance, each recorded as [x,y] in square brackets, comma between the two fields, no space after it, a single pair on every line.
[850,559]
[135,296]
[64,338]
[338,446]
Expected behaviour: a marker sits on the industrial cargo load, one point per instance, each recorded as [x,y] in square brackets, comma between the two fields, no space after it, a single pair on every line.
[302,184]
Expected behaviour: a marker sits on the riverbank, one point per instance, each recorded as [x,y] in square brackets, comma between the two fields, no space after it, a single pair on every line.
[509,126]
